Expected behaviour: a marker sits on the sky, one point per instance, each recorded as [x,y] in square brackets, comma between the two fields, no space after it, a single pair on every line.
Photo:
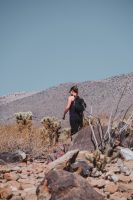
[44,43]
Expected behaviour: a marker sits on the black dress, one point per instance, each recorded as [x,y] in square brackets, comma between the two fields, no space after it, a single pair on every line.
[76,119]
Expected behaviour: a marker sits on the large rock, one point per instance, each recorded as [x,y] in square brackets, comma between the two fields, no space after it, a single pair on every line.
[64,161]
[81,167]
[126,153]
[63,185]
[11,157]
[83,140]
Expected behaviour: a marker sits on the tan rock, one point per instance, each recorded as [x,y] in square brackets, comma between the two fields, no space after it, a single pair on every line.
[125,179]
[116,196]
[23,176]
[129,164]
[126,187]
[111,187]
[5,193]
[27,186]
[99,183]
[16,198]
[14,185]
[27,181]
[17,169]
[11,176]
[30,196]
[112,169]
[22,164]
[131,176]
[62,161]
[127,195]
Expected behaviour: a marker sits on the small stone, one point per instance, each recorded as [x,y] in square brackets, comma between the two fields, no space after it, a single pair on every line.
[5,193]
[11,176]
[111,188]
[14,185]
[131,176]
[96,173]
[114,178]
[16,198]
[126,188]
[123,178]
[100,183]
[30,196]
[25,186]
[17,168]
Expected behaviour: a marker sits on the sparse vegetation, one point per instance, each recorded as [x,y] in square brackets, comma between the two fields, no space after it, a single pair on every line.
[24,120]
[51,129]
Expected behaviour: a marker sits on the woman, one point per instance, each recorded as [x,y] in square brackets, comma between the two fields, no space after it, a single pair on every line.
[75,118]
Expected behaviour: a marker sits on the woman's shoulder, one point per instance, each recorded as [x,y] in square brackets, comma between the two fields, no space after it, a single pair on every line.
[71,98]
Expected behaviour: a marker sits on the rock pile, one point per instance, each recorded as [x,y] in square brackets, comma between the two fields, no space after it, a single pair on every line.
[19,181]
[116,182]
[61,179]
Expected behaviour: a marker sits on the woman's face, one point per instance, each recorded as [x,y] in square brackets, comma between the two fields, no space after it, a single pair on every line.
[72,93]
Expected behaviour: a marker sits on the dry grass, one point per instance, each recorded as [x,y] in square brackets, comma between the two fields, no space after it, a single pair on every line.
[29,139]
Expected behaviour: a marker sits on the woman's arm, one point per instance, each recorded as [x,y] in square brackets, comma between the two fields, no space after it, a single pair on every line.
[69,101]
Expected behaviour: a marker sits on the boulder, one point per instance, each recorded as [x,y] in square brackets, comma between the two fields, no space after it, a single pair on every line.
[63,185]
[81,167]
[83,140]
[11,157]
[64,161]
[126,153]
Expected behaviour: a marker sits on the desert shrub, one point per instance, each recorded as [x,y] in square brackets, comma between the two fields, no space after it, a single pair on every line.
[98,160]
[23,116]
[86,121]
[65,135]
[51,129]
[30,141]
[24,119]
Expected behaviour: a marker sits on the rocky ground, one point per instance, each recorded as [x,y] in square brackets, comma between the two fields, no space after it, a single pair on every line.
[19,181]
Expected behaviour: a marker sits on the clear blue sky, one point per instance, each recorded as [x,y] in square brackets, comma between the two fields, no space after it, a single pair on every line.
[47,42]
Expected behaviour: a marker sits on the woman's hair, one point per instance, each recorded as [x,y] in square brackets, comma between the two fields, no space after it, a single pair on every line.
[74,88]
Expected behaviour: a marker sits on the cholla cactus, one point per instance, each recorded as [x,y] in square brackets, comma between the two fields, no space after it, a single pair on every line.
[98,159]
[65,134]
[86,121]
[52,125]
[23,117]
[89,119]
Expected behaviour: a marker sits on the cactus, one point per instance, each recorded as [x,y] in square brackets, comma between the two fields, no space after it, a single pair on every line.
[24,120]
[52,126]
[86,121]
[23,117]
[99,160]
[65,134]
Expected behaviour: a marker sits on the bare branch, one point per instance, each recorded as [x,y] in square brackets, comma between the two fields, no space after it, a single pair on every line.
[93,133]
[109,126]
[127,111]
[127,123]
[119,101]
[100,129]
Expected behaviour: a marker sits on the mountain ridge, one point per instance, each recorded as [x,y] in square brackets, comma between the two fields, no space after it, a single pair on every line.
[100,96]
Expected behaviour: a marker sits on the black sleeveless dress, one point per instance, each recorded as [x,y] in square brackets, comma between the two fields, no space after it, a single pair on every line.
[76,120]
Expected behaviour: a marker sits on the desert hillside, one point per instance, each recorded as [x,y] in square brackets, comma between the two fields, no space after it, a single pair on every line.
[101,96]
[45,162]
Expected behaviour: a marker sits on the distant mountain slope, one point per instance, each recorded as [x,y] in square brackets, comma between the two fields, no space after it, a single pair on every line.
[12,97]
[100,95]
